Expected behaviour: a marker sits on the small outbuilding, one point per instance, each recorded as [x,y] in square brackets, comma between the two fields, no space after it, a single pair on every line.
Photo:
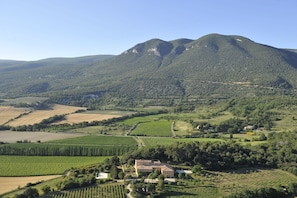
[102,176]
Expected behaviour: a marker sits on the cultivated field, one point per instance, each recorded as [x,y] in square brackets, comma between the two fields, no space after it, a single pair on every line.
[158,128]
[39,115]
[42,165]
[8,113]
[10,183]
[132,121]
[12,136]
[154,141]
[85,117]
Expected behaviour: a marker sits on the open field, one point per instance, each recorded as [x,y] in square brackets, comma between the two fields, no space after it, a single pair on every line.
[182,128]
[109,130]
[10,183]
[158,128]
[12,136]
[8,113]
[42,165]
[223,116]
[287,121]
[39,115]
[96,140]
[85,117]
[154,141]
[150,118]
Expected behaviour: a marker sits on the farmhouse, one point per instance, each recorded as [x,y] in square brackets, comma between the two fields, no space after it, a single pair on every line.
[148,166]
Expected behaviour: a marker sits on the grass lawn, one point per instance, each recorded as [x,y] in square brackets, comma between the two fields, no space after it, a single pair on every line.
[158,128]
[42,165]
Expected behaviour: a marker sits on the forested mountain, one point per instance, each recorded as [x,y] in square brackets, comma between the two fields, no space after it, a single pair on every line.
[212,66]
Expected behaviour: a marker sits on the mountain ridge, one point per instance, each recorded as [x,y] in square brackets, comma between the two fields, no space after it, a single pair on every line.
[212,66]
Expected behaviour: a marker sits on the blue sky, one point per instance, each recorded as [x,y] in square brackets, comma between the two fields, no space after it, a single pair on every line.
[38,29]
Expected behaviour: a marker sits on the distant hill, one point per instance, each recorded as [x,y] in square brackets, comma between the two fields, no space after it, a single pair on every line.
[211,66]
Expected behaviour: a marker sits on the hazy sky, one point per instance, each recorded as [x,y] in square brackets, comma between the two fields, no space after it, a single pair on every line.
[37,29]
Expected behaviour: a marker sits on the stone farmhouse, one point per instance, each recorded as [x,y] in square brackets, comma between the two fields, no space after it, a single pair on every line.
[148,166]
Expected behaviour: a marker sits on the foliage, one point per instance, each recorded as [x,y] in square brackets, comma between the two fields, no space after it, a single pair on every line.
[260,193]
[29,193]
[280,151]
[283,149]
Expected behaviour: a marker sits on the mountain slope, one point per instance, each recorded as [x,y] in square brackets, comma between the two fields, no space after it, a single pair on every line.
[214,65]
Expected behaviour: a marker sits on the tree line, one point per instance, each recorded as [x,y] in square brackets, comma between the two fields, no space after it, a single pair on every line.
[30,149]
[282,192]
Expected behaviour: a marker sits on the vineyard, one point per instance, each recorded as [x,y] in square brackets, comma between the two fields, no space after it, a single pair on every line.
[106,191]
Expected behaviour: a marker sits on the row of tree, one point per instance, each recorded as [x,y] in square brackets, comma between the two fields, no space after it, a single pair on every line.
[30,149]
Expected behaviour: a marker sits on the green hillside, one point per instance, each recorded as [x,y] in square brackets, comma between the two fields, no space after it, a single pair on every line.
[215,66]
